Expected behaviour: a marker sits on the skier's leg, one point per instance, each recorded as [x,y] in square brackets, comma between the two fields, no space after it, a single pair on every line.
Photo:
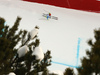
[47,17]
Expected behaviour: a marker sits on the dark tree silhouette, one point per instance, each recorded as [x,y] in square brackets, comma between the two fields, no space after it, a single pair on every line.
[9,60]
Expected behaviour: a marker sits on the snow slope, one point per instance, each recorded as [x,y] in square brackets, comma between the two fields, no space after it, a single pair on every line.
[60,36]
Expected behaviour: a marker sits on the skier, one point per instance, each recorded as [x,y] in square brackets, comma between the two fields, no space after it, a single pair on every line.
[48,16]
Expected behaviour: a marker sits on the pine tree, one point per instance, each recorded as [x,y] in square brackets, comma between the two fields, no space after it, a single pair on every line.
[69,71]
[91,63]
[45,72]
[10,60]
[8,40]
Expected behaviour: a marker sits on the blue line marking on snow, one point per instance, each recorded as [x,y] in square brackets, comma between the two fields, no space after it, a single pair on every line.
[64,64]
[77,57]
[78,48]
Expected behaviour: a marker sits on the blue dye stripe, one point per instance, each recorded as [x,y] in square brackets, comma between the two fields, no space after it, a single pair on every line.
[77,57]
[78,48]
[65,64]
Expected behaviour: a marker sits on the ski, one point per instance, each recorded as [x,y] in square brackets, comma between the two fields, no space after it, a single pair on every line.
[49,17]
